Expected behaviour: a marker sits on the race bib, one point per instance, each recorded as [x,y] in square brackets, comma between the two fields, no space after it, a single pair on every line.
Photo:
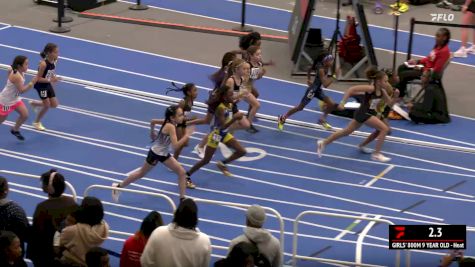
[374,104]
[5,108]
[50,75]
[255,73]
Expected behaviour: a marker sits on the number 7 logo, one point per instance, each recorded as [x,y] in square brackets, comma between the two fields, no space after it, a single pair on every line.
[401,231]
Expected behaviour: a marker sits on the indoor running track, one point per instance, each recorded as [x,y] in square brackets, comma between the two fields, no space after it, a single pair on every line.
[96,137]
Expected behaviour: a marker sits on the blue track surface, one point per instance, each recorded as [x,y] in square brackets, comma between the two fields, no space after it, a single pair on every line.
[98,149]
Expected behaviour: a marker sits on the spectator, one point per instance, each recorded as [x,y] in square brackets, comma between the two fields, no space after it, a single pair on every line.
[468,18]
[242,255]
[432,65]
[48,218]
[90,231]
[12,216]
[179,244]
[10,250]
[97,257]
[134,246]
[267,244]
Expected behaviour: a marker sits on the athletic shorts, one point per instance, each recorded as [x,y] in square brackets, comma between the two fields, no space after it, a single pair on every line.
[313,91]
[46,92]
[153,158]
[217,136]
[5,110]
[362,117]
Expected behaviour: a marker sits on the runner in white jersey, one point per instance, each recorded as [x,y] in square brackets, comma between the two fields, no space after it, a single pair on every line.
[159,152]
[10,96]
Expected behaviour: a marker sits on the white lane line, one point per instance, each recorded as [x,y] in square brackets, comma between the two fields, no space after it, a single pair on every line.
[384,172]
[208,89]
[54,163]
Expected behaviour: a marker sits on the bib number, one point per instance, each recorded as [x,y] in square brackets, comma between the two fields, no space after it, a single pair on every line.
[6,108]
[44,93]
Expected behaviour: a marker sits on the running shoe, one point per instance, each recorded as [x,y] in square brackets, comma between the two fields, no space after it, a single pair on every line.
[39,126]
[380,157]
[320,148]
[222,167]
[36,109]
[325,124]
[252,129]
[189,183]
[200,151]
[115,193]
[17,134]
[471,50]
[365,149]
[280,122]
[461,52]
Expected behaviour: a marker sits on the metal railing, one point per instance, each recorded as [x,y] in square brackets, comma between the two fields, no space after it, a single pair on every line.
[232,204]
[27,175]
[359,244]
[96,186]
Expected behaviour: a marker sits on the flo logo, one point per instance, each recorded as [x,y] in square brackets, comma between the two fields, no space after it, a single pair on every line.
[442,17]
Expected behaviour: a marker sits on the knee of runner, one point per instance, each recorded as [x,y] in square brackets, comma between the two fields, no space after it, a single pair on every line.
[258,105]
[54,105]
[242,152]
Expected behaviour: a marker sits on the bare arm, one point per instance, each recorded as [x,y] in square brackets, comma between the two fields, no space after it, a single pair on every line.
[171,131]
[326,81]
[41,71]
[355,90]
[17,81]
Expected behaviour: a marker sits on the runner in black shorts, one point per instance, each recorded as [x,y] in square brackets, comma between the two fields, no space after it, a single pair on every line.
[46,76]
[321,66]
[162,140]
[186,104]
[366,114]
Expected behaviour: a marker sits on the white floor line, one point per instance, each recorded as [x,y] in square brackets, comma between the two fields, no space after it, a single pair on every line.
[51,162]
[5,27]
[5,153]
[379,176]
[349,229]
[119,118]
[262,100]
[93,141]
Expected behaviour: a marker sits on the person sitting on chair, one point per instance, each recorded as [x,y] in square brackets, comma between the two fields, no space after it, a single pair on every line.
[432,65]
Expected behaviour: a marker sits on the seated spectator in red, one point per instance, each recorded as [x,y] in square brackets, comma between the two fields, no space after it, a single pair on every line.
[242,255]
[179,244]
[134,246]
[90,231]
[12,216]
[97,257]
[48,217]
[432,65]
[10,250]
[266,243]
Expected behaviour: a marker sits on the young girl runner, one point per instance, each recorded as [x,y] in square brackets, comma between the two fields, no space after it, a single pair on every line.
[159,151]
[45,78]
[217,78]
[256,73]
[186,104]
[366,114]
[238,80]
[382,112]
[225,115]
[321,66]
[10,96]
